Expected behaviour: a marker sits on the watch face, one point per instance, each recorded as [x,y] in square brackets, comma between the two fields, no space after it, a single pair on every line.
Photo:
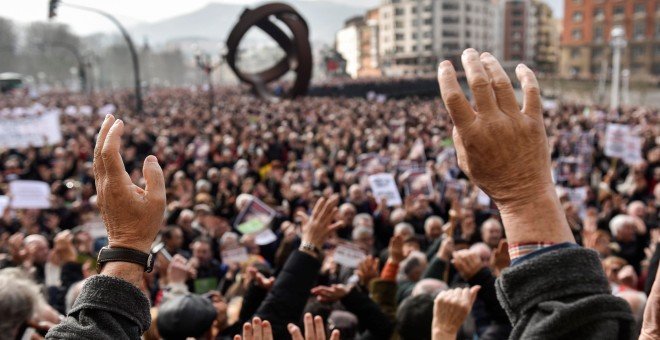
[150,263]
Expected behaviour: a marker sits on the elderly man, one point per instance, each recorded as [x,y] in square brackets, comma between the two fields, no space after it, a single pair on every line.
[491,232]
[626,233]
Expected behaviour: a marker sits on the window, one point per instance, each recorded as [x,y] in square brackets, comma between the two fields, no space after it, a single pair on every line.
[640,8]
[414,10]
[638,51]
[575,53]
[428,21]
[450,20]
[656,69]
[577,2]
[517,12]
[414,48]
[657,28]
[450,6]
[639,30]
[599,13]
[449,34]
[516,36]
[619,10]
[398,37]
[656,50]
[399,49]
[598,33]
[468,7]
[398,24]
[576,34]
[468,34]
[428,47]
[517,23]
[399,11]
[415,22]
[597,52]
[517,47]
[577,16]
[427,34]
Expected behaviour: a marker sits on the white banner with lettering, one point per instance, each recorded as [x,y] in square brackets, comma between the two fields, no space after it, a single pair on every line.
[29,131]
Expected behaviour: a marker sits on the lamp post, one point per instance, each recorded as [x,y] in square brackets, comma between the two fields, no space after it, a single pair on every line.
[52,12]
[625,88]
[206,64]
[618,43]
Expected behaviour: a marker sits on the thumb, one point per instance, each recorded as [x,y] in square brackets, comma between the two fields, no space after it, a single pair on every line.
[473,293]
[153,175]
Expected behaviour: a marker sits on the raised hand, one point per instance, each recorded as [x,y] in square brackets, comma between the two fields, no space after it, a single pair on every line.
[64,249]
[314,329]
[258,330]
[468,263]
[499,259]
[395,249]
[450,310]
[503,148]
[319,226]
[332,293]
[177,271]
[132,215]
[367,270]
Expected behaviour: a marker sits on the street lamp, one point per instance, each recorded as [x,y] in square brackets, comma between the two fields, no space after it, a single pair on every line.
[206,64]
[618,42]
[52,12]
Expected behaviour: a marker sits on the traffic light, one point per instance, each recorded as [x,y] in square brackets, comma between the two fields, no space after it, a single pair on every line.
[52,8]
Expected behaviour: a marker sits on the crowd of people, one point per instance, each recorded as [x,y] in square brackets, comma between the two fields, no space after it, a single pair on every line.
[444,242]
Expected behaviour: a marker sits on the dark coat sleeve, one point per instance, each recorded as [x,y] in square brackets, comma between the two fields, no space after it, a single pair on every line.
[563,294]
[286,300]
[107,308]
[370,316]
[653,269]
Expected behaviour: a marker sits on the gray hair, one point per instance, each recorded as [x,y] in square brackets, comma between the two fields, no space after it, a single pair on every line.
[363,220]
[404,226]
[432,219]
[229,236]
[361,230]
[203,185]
[429,286]
[620,221]
[72,295]
[19,298]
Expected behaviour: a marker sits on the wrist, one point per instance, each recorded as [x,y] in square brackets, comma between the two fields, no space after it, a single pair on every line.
[537,219]
[145,248]
[127,271]
[441,334]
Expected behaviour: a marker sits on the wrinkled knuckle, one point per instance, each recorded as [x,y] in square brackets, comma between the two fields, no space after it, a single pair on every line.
[533,90]
[453,98]
[480,83]
[502,84]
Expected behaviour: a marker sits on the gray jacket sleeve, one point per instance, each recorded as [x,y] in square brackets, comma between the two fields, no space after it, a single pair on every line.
[563,294]
[107,308]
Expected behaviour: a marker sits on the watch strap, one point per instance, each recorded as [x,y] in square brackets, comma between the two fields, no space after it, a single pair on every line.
[108,254]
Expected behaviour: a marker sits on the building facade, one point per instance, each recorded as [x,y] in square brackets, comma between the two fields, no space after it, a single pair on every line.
[347,43]
[528,35]
[585,41]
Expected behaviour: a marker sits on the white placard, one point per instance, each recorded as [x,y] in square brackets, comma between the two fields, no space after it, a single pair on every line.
[29,131]
[4,203]
[383,185]
[29,194]
[237,255]
[348,255]
[264,237]
[616,136]
[633,151]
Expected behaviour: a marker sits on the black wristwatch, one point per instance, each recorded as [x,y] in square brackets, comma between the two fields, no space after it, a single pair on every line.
[107,254]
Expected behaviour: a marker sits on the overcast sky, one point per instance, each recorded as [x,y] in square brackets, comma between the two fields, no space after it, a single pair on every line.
[136,11]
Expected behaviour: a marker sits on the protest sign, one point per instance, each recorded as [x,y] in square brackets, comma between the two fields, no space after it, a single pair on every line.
[36,131]
[483,199]
[384,186]
[254,217]
[418,182]
[264,237]
[633,151]
[616,136]
[29,194]
[237,255]
[348,255]
[4,203]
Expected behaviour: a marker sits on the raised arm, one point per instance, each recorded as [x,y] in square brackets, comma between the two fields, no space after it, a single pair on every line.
[553,289]
[503,149]
[111,305]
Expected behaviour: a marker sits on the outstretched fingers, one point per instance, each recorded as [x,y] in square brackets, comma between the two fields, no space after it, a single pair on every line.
[479,82]
[112,162]
[532,105]
[501,84]
[99,168]
[153,176]
[459,108]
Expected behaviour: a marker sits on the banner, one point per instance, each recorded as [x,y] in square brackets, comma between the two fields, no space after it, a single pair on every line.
[4,203]
[348,255]
[36,131]
[255,217]
[29,194]
[238,255]
[616,137]
[384,186]
[418,183]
